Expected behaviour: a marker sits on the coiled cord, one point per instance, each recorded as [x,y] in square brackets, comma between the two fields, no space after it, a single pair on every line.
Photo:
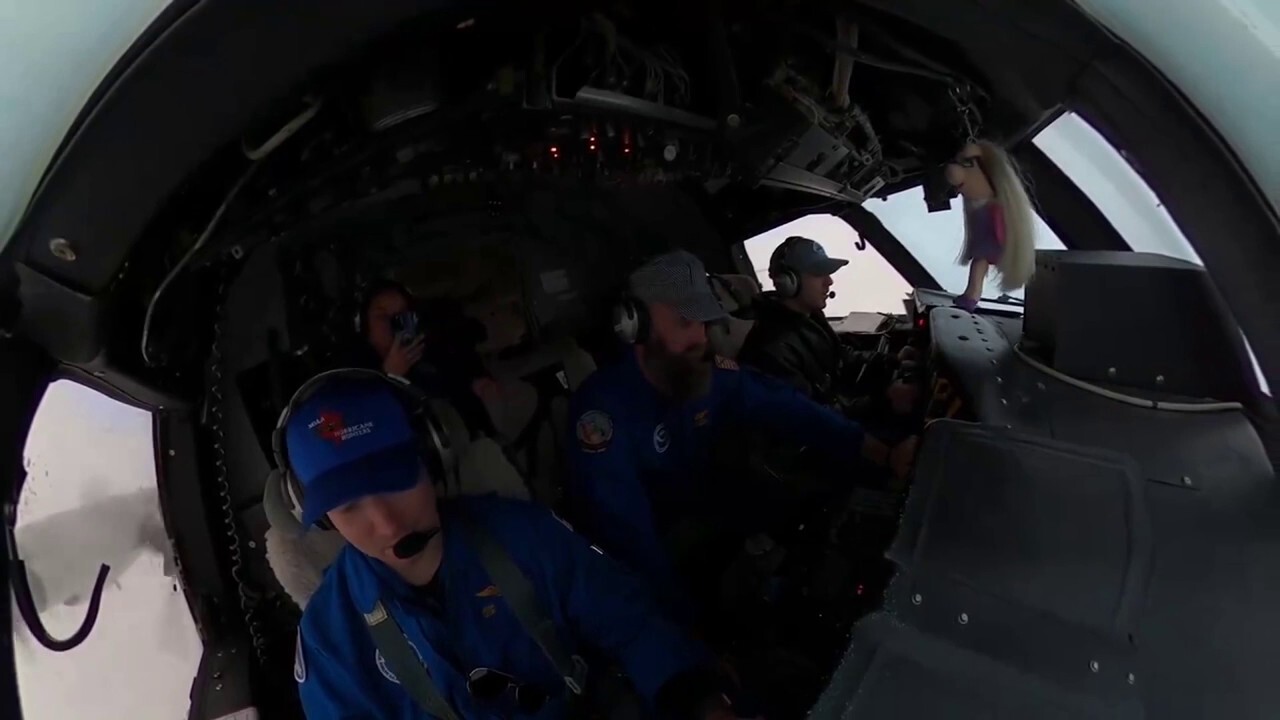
[229,525]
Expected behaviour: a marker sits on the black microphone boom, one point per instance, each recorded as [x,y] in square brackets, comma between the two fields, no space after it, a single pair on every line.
[414,543]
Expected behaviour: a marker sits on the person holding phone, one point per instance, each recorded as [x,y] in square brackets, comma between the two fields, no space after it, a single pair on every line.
[431,344]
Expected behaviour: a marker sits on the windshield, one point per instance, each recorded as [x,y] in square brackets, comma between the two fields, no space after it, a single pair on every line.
[55,55]
[935,238]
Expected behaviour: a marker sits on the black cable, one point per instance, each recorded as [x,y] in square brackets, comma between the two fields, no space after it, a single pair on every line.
[843,48]
[26,603]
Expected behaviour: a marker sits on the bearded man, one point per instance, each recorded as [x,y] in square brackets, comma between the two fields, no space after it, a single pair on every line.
[641,456]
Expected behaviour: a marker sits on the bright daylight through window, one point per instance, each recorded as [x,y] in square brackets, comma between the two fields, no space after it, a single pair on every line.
[90,498]
[867,284]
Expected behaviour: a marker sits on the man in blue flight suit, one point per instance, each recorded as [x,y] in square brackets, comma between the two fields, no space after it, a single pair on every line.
[358,460]
[641,458]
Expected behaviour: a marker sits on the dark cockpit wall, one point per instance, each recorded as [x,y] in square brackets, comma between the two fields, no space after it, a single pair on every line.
[1097,539]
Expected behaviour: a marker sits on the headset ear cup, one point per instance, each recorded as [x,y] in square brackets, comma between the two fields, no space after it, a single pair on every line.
[626,322]
[786,284]
[631,322]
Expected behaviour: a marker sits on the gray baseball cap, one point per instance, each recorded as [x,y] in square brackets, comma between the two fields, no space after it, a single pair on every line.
[677,278]
[802,255]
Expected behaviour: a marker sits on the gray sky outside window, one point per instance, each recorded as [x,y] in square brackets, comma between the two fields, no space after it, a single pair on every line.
[935,238]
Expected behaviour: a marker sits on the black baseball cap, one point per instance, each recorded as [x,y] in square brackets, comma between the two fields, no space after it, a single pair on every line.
[805,256]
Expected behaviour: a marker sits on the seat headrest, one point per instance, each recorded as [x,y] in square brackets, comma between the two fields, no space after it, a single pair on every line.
[277,506]
[735,292]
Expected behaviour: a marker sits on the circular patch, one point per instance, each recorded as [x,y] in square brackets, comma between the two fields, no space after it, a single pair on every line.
[661,438]
[299,662]
[595,430]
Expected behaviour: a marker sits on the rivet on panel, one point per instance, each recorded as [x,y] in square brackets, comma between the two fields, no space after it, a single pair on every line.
[1093,665]
[964,618]
[1111,372]
[917,599]
[1131,678]
[1186,480]
[1159,379]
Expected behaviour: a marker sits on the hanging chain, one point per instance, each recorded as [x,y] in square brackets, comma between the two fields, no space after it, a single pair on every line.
[229,524]
[969,116]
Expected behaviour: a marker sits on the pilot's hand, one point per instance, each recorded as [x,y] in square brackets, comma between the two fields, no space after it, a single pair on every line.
[401,357]
[903,456]
[902,397]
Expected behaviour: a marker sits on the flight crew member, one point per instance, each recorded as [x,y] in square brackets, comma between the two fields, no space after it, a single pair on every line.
[641,458]
[792,339]
[417,566]
[430,344]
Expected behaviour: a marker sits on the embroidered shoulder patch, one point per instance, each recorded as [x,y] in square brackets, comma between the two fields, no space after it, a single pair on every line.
[299,661]
[595,430]
[725,363]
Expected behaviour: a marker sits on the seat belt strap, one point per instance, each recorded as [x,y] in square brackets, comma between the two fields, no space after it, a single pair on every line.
[405,663]
[521,597]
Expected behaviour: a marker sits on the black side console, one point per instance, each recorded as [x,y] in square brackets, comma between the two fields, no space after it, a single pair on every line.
[1136,319]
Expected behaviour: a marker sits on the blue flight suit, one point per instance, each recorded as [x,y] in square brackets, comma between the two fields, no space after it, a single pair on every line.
[591,600]
[640,462]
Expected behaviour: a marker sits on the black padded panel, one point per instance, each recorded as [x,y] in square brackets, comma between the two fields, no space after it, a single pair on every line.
[1211,496]
[1022,569]
[1002,512]
[1138,319]
[1219,449]
[893,670]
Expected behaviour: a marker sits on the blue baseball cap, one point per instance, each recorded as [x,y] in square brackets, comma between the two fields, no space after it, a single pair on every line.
[350,439]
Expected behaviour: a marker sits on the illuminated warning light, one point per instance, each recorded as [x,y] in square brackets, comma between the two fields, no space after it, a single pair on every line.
[592,146]
[592,138]
[626,150]
[554,149]
[920,322]
[858,590]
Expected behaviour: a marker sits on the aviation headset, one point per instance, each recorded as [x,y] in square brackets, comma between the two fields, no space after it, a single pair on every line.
[631,320]
[786,281]
[433,444]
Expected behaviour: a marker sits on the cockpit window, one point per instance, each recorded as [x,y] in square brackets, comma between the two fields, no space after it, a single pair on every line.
[867,284]
[1104,175]
[935,238]
[90,498]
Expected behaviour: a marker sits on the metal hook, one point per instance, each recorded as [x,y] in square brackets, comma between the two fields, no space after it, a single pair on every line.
[26,603]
